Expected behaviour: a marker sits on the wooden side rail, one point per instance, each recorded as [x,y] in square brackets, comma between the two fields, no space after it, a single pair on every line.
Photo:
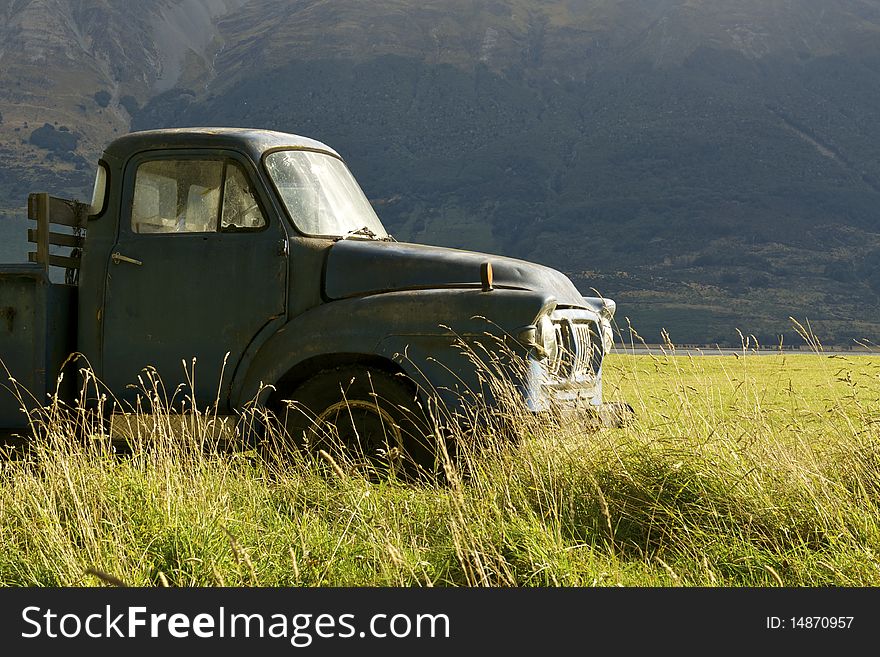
[47,210]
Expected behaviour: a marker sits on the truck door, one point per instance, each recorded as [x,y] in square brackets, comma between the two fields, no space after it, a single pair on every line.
[199,268]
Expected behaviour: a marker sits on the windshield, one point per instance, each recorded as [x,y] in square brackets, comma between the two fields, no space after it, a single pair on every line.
[321,195]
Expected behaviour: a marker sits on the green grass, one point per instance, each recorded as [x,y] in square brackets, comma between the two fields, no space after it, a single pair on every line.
[739,471]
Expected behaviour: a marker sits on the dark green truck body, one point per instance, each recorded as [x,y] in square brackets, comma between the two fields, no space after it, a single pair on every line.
[37,332]
[264,293]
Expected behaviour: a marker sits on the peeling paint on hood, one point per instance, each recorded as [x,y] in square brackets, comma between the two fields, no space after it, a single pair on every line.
[364,267]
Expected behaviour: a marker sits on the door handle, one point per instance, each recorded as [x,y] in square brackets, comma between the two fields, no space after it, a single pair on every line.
[118,257]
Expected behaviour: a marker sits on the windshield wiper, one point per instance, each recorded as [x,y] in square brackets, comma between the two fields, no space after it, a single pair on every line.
[364,231]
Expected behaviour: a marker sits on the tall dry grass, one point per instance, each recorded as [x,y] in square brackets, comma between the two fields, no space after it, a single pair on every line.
[739,471]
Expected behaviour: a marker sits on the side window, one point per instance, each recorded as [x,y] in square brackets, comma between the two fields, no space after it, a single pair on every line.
[240,208]
[177,196]
[184,196]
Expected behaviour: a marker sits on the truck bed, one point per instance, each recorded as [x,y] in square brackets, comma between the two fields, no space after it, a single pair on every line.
[37,333]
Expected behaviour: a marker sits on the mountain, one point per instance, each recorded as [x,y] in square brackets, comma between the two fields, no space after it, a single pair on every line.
[712,165]
[73,73]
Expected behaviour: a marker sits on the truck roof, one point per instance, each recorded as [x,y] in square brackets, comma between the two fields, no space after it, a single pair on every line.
[250,140]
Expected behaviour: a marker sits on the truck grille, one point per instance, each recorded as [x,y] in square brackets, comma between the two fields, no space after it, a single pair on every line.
[580,349]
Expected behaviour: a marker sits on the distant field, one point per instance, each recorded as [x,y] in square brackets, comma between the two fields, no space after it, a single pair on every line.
[740,471]
[803,385]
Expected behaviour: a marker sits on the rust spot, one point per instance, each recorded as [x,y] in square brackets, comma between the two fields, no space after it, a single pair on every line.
[8,313]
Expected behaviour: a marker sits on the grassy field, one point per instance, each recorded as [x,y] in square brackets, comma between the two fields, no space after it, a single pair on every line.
[739,471]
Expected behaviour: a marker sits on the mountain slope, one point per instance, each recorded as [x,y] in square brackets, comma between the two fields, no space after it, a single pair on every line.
[87,66]
[674,155]
[710,164]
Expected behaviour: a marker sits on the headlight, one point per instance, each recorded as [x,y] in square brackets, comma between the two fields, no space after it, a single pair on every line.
[546,339]
[609,307]
[607,335]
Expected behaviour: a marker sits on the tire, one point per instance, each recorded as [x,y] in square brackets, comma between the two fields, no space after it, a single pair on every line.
[363,418]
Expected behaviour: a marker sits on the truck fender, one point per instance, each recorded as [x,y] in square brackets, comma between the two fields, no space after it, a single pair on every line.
[380,327]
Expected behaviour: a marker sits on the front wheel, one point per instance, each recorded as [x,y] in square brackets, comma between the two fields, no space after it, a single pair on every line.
[364,418]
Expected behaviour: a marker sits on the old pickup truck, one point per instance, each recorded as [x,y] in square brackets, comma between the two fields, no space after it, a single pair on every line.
[256,255]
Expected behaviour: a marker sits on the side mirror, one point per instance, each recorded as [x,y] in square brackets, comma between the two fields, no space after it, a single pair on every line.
[99,191]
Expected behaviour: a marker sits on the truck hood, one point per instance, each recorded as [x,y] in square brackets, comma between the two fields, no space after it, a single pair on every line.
[362,267]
